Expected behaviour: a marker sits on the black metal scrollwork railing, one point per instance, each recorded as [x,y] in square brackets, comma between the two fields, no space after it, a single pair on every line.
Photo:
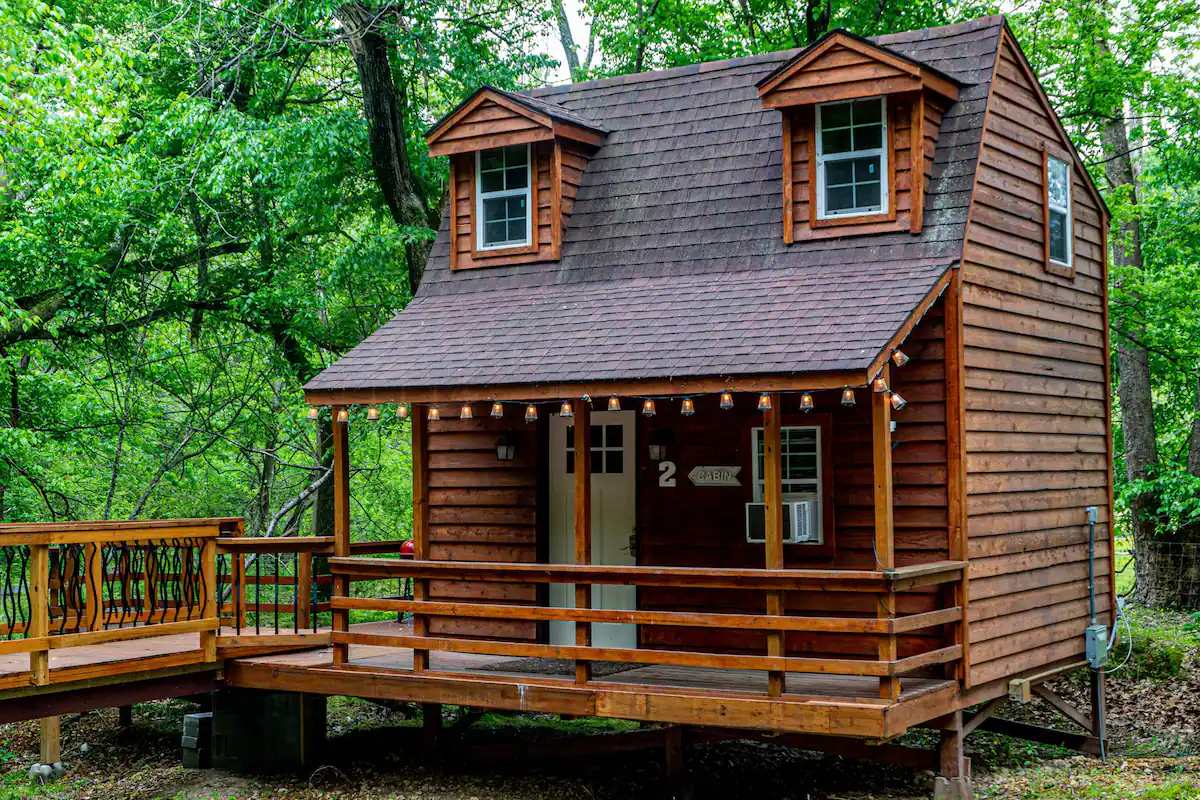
[14,593]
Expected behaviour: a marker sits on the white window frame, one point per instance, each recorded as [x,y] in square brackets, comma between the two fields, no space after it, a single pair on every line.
[1064,210]
[817,493]
[881,151]
[480,196]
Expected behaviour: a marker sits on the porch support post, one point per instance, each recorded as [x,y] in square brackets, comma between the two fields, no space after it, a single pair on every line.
[956,545]
[773,519]
[583,527]
[420,526]
[341,527]
[954,783]
[885,545]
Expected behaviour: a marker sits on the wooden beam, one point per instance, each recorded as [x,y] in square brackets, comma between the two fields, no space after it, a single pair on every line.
[885,545]
[420,526]
[917,161]
[978,718]
[773,529]
[1063,707]
[789,209]
[811,381]
[583,528]
[1021,730]
[341,524]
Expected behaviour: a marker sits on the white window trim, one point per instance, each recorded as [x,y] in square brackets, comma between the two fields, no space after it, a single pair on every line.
[882,152]
[818,491]
[1064,210]
[480,196]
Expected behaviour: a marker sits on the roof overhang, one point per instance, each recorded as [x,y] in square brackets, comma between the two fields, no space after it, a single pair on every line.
[546,125]
[842,66]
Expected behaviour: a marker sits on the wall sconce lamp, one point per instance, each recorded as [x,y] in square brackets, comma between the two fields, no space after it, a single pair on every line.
[506,447]
[660,440]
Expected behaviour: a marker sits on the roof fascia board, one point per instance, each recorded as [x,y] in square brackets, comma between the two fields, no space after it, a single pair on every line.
[910,322]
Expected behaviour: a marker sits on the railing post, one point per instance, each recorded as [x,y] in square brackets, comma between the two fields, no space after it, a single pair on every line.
[39,612]
[302,595]
[885,546]
[583,528]
[341,528]
[420,527]
[773,530]
[209,609]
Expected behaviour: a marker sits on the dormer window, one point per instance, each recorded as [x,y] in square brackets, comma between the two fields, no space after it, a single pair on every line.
[852,160]
[502,180]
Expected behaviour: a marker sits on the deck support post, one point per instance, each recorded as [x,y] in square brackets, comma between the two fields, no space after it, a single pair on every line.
[885,545]
[677,784]
[773,531]
[212,597]
[50,739]
[125,716]
[420,527]
[583,527]
[431,726]
[954,783]
[341,527]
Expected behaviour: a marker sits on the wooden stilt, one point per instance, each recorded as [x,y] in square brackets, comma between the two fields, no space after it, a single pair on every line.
[125,716]
[51,740]
[678,786]
[773,524]
[431,726]
[583,527]
[954,783]
[341,527]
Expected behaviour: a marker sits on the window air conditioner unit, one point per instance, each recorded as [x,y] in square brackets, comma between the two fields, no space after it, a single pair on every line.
[799,522]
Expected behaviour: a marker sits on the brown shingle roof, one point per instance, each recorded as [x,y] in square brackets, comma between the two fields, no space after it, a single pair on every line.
[673,261]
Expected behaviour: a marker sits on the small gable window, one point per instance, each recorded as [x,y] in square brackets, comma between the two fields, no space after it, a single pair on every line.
[852,163]
[1058,212]
[502,181]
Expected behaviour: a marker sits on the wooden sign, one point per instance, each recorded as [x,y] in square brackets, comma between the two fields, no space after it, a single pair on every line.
[715,476]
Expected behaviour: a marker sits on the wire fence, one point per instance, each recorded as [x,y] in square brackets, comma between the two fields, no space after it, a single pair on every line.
[1161,574]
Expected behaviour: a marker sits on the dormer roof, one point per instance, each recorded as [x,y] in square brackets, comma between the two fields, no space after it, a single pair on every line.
[841,66]
[539,120]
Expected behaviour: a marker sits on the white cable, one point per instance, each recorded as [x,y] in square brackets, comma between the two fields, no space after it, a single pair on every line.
[1129,632]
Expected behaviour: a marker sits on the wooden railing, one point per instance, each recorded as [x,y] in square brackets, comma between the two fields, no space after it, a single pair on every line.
[90,583]
[880,582]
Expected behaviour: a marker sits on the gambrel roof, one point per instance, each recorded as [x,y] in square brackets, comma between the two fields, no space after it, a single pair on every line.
[673,263]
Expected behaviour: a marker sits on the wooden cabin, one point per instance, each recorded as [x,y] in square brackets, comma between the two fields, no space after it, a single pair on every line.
[764,397]
[785,377]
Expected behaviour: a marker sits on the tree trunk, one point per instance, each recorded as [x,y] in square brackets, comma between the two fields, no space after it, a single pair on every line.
[383,105]
[816,18]
[568,41]
[1193,462]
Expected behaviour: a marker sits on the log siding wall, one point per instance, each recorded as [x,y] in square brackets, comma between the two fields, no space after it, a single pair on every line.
[1036,372]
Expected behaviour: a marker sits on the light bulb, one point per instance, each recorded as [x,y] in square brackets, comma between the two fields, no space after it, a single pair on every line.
[878,384]
[764,402]
[898,402]
[530,413]
[434,413]
[566,410]
[402,411]
[806,401]
[373,413]
[726,401]
[648,408]
[343,415]
[687,407]
[314,412]
[899,358]
[465,412]
[614,403]
[497,410]
[848,397]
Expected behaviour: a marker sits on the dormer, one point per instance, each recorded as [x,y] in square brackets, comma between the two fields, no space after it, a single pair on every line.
[860,124]
[516,163]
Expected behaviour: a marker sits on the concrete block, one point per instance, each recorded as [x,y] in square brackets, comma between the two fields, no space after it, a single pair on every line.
[258,731]
[953,789]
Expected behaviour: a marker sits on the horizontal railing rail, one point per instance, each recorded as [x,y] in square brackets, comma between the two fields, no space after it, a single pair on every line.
[944,649]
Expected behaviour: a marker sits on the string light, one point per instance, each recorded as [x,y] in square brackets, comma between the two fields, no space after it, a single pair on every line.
[878,384]
[402,411]
[497,410]
[434,413]
[648,408]
[614,403]
[764,402]
[897,401]
[806,401]
[314,412]
[899,358]
[848,397]
[726,401]
[687,408]
[373,413]
[531,413]
[465,412]
[343,415]
[566,410]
